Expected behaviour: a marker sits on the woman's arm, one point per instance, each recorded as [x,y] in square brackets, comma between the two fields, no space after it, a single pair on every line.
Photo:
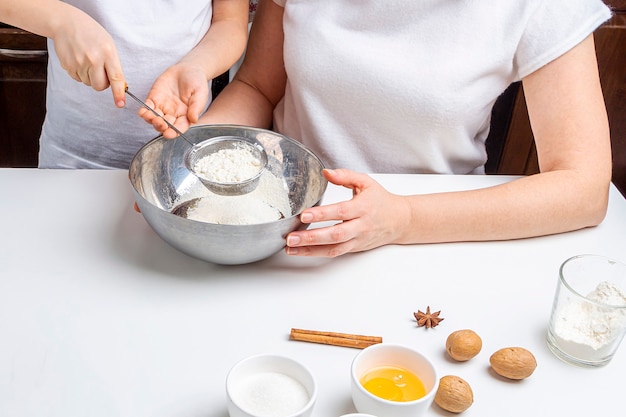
[570,125]
[260,82]
[571,130]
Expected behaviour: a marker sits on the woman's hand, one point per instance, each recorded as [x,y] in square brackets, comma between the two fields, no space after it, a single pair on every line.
[88,54]
[180,94]
[372,218]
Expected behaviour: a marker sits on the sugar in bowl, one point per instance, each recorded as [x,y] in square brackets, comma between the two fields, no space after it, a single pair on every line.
[270,385]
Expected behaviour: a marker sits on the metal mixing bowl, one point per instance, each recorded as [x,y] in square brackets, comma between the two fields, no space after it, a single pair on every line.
[162,183]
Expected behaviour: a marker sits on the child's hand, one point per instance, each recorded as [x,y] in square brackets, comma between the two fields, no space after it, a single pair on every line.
[88,54]
[180,94]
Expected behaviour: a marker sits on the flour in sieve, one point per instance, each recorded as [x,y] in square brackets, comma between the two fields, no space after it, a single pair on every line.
[267,203]
[593,325]
[228,165]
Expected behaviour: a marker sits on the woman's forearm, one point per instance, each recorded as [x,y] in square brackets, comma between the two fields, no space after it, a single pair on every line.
[536,205]
[240,104]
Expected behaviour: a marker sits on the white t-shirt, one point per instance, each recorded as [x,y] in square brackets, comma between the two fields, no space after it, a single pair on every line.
[408,86]
[83,128]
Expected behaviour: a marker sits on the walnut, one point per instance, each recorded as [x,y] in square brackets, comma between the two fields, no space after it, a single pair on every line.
[513,363]
[463,345]
[454,394]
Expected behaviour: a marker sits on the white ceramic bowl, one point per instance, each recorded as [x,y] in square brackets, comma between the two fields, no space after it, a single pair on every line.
[263,385]
[384,354]
[357,415]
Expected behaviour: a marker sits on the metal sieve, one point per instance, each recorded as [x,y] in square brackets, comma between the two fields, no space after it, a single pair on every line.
[205,149]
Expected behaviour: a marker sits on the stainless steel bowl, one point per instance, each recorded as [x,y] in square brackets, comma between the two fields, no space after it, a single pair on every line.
[162,183]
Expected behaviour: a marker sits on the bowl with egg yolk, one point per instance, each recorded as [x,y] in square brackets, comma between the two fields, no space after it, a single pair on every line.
[393,381]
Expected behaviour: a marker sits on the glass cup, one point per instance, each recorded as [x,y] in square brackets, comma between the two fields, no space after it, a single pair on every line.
[588,319]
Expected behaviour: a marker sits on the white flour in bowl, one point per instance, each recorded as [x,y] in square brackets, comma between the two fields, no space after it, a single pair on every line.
[267,203]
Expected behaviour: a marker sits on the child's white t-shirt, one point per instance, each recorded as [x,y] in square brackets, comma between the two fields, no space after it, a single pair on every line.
[150,37]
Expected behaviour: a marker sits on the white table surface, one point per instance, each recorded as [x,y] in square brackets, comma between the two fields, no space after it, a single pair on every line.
[100,317]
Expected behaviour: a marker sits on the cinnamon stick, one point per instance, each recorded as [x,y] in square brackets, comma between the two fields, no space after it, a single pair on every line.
[334,338]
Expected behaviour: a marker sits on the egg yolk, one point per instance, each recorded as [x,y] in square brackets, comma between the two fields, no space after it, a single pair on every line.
[393,384]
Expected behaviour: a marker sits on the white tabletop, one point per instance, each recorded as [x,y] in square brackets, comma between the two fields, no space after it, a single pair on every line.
[100,317]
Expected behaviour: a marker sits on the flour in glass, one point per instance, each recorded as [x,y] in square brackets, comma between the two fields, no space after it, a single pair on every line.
[590,330]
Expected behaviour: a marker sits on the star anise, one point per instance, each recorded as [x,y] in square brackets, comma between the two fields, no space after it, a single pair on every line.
[427,319]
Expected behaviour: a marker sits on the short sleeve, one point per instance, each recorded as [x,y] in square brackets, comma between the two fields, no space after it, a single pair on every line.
[553,28]
[280,2]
